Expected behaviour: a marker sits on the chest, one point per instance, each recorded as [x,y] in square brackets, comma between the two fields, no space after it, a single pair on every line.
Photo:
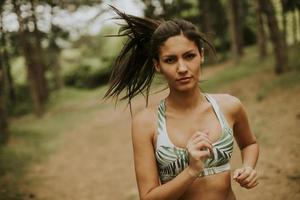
[181,128]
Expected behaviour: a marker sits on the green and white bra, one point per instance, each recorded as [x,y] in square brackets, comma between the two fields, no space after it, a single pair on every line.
[172,160]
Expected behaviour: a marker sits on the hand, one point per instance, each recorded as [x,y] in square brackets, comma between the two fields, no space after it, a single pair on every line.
[246,177]
[199,148]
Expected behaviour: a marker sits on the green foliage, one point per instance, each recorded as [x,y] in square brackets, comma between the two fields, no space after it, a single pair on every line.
[23,103]
[249,35]
[100,46]
[88,63]
[86,76]
[286,80]
[293,55]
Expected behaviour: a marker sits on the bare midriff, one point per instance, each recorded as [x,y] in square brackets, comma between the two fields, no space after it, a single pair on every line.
[213,187]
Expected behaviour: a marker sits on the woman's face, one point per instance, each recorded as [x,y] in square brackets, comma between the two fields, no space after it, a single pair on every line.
[179,61]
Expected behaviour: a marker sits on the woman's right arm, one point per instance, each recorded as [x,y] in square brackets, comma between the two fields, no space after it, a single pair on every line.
[143,130]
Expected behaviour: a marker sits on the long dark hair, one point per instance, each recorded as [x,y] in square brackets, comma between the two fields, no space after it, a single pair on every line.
[133,69]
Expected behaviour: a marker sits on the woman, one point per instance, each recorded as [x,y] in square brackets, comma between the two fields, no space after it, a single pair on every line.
[182,147]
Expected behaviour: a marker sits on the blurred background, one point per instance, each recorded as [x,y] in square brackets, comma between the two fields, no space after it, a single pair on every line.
[60,140]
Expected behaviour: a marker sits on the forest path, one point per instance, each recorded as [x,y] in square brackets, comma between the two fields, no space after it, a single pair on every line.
[95,160]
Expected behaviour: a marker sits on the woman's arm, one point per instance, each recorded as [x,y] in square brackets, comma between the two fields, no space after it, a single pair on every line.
[246,176]
[147,176]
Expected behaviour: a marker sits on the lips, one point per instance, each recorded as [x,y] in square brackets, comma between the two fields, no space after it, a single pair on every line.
[183,79]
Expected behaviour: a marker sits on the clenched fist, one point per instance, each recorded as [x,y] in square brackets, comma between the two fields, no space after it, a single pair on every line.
[246,177]
[199,148]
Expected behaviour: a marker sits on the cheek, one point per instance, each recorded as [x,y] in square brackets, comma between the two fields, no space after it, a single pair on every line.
[196,66]
[168,74]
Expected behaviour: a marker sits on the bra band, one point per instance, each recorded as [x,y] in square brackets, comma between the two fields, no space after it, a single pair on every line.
[214,170]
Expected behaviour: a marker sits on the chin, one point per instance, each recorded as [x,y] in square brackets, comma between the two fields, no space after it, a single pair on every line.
[186,88]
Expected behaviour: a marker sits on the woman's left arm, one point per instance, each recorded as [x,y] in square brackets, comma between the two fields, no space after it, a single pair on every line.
[246,176]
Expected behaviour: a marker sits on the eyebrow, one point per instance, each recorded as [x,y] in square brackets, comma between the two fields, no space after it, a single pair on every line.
[172,55]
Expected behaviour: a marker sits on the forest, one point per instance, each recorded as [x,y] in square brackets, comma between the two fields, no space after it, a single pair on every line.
[55,64]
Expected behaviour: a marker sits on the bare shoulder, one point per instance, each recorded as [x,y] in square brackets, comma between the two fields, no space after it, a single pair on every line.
[228,103]
[144,122]
[146,116]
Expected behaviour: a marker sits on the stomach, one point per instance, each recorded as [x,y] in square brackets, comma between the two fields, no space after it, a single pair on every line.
[213,187]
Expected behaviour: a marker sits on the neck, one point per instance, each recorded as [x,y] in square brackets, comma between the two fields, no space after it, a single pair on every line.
[187,100]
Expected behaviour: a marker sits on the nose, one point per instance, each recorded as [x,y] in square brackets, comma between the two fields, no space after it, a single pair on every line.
[181,68]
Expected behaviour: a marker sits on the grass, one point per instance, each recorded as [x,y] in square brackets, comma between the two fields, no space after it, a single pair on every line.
[24,148]
[248,65]
[284,81]
[32,140]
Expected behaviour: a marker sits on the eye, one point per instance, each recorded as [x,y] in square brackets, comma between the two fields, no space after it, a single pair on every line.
[190,56]
[169,60]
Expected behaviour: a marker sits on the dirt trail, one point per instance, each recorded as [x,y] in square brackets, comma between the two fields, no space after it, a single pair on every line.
[95,161]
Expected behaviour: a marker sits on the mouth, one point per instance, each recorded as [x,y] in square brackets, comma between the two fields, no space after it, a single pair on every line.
[183,78]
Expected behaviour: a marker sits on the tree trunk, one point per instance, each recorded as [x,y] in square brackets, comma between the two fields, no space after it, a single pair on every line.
[261,33]
[294,13]
[3,117]
[206,22]
[9,89]
[149,9]
[279,46]
[299,19]
[39,58]
[8,77]
[236,29]
[54,52]
[284,25]
[32,66]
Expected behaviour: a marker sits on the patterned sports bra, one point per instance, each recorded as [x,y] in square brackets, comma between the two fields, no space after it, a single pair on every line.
[172,160]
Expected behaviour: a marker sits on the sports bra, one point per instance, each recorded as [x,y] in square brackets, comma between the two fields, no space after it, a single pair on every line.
[171,160]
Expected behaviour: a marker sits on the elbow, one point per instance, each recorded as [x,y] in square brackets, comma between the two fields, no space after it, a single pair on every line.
[145,197]
[150,197]
[254,143]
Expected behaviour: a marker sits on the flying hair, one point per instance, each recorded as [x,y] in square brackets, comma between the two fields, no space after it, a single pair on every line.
[133,70]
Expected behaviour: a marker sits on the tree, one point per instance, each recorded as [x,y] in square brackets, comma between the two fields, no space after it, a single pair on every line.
[204,8]
[276,36]
[163,9]
[236,28]
[213,22]
[261,33]
[290,6]
[54,50]
[38,56]
[3,118]
[56,33]
[35,71]
[9,86]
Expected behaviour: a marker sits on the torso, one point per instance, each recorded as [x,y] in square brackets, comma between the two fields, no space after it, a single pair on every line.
[216,186]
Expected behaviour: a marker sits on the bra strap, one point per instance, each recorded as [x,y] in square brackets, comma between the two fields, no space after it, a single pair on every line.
[216,109]
[162,137]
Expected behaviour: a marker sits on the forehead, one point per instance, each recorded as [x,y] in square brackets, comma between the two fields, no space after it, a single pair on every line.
[177,45]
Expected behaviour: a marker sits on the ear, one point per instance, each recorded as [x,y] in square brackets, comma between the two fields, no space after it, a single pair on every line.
[156,65]
[202,55]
